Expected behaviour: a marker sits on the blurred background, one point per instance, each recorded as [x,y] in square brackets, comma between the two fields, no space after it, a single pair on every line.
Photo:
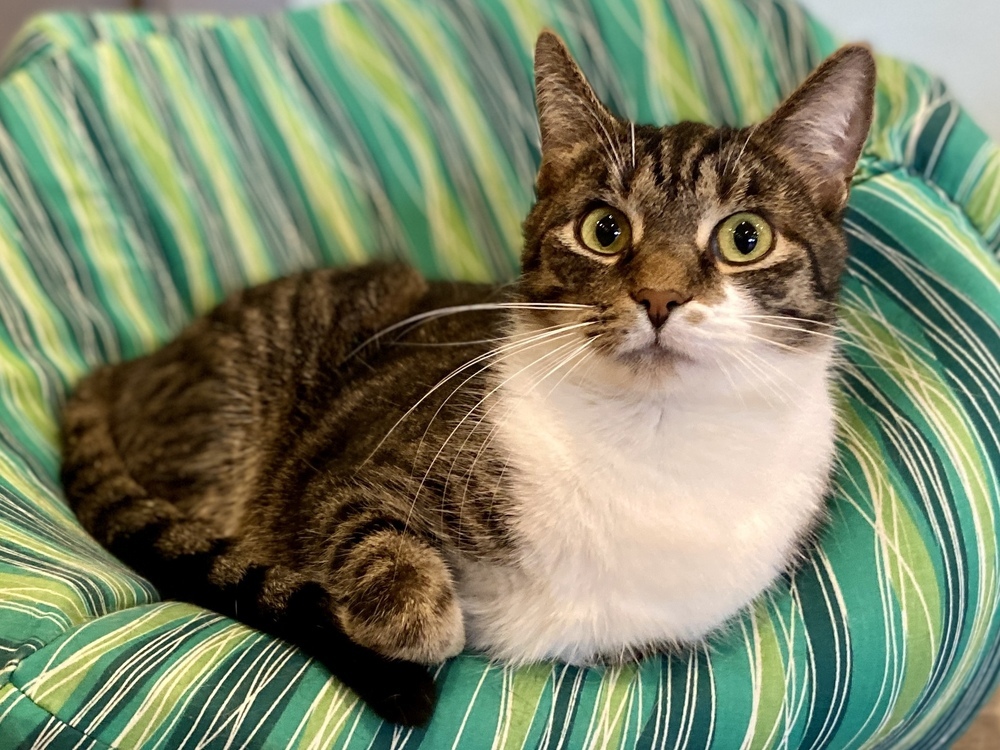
[956,39]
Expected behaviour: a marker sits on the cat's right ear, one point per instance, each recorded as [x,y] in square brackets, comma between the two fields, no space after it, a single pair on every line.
[569,113]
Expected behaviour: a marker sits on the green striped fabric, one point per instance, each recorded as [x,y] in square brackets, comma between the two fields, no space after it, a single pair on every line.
[147,168]
[49,35]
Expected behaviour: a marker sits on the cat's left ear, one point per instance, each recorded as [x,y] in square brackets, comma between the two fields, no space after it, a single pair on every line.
[569,113]
[821,128]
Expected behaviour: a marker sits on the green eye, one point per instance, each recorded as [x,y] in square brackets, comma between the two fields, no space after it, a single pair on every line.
[743,238]
[605,230]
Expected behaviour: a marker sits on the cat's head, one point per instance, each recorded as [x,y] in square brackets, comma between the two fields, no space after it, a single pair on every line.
[689,243]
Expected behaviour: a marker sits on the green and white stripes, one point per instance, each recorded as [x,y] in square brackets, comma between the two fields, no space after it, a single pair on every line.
[148,167]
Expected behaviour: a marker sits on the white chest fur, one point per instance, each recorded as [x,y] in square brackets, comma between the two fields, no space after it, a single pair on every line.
[648,519]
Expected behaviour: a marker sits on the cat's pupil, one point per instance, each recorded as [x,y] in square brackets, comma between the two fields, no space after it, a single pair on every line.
[745,237]
[607,230]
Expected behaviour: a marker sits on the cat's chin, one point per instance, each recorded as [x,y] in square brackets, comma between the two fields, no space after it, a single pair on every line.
[656,355]
[637,369]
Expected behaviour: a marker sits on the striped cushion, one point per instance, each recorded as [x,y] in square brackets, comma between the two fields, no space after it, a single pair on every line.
[46,36]
[148,168]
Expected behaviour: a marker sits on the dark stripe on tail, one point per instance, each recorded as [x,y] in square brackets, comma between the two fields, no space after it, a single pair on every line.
[186,559]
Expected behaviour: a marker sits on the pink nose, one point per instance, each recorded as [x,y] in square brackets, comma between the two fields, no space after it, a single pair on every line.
[659,303]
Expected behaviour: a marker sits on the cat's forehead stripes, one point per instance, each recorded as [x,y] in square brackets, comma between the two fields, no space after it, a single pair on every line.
[681,168]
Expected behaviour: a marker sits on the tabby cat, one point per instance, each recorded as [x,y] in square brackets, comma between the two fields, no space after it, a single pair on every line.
[616,453]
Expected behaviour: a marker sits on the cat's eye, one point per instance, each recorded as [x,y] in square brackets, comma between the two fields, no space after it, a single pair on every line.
[743,238]
[605,230]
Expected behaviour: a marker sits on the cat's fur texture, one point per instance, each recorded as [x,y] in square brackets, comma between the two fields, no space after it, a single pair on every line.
[625,450]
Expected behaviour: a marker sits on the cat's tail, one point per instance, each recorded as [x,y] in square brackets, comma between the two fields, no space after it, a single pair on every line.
[187,559]
[110,504]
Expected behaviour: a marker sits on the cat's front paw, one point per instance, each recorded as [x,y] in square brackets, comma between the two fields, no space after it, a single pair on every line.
[407,698]
[401,601]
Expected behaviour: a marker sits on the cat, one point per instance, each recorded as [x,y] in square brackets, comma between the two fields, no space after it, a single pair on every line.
[614,454]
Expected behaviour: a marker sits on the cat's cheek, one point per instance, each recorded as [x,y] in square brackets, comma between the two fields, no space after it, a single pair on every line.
[736,301]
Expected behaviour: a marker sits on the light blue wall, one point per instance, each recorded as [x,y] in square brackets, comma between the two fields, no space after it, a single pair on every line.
[958,40]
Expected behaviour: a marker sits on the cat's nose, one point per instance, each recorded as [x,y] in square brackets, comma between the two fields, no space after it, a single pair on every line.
[659,303]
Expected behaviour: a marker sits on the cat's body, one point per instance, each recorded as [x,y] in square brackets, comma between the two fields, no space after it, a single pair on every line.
[615,454]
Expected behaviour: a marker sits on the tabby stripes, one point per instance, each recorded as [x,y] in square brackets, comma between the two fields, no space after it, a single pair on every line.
[150,166]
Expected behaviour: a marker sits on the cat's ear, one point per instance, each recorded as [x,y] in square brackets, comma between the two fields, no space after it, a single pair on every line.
[569,113]
[821,128]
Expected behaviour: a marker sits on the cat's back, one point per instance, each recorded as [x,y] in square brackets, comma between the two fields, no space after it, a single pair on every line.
[200,421]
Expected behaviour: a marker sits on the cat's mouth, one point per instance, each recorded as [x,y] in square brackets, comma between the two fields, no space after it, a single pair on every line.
[657,352]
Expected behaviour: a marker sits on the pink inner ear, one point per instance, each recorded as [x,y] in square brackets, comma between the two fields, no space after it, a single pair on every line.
[821,128]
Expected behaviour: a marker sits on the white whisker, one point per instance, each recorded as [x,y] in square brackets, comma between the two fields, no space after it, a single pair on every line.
[511,337]
[513,349]
[778,344]
[583,359]
[492,353]
[497,424]
[633,145]
[610,145]
[725,371]
[443,311]
[757,364]
[430,466]
[787,318]
[798,330]
[745,144]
